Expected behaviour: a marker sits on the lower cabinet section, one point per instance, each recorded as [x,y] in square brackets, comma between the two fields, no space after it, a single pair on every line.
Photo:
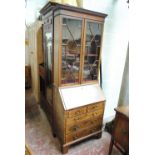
[82,121]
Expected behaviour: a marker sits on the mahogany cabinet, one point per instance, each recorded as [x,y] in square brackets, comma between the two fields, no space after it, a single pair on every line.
[72,40]
[120,134]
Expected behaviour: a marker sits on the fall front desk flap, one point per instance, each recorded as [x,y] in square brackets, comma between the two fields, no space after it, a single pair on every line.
[77,96]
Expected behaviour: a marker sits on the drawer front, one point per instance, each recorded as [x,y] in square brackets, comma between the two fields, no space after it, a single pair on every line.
[85,124]
[83,117]
[82,133]
[76,112]
[76,119]
[121,131]
[95,113]
[94,107]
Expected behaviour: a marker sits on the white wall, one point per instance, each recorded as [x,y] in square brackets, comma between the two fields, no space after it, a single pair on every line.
[114,47]
[32,8]
[124,93]
[26,50]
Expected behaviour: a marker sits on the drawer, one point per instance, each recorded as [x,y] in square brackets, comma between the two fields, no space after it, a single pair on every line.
[121,131]
[76,119]
[83,117]
[77,112]
[94,107]
[85,124]
[95,113]
[82,133]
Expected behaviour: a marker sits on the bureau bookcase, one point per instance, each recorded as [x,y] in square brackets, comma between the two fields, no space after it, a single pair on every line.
[72,40]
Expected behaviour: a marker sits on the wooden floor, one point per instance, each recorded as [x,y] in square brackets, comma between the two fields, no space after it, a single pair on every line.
[38,135]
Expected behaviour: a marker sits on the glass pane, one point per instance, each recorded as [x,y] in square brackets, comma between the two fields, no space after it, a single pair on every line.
[48,46]
[92,51]
[71,46]
[48,50]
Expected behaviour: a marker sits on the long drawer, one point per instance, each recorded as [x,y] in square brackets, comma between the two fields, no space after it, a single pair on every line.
[84,124]
[82,133]
[83,117]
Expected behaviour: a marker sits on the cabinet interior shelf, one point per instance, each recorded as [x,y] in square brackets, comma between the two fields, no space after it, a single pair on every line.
[71,55]
[90,45]
[91,55]
[67,44]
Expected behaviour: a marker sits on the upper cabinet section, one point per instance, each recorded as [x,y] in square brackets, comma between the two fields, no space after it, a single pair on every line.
[76,43]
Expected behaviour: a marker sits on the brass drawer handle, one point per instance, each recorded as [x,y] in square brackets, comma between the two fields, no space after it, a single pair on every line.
[94,114]
[78,112]
[95,106]
[75,137]
[75,128]
[75,119]
[92,122]
[92,130]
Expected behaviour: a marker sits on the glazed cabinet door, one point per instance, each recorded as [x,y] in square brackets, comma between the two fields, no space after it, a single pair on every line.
[48,60]
[71,50]
[92,44]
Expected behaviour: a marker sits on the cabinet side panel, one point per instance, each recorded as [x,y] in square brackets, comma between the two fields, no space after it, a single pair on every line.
[58,116]
[39,51]
[56,49]
[40,45]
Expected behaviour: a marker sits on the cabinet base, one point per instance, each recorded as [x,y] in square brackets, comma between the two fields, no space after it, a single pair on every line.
[99,135]
[54,135]
[64,149]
